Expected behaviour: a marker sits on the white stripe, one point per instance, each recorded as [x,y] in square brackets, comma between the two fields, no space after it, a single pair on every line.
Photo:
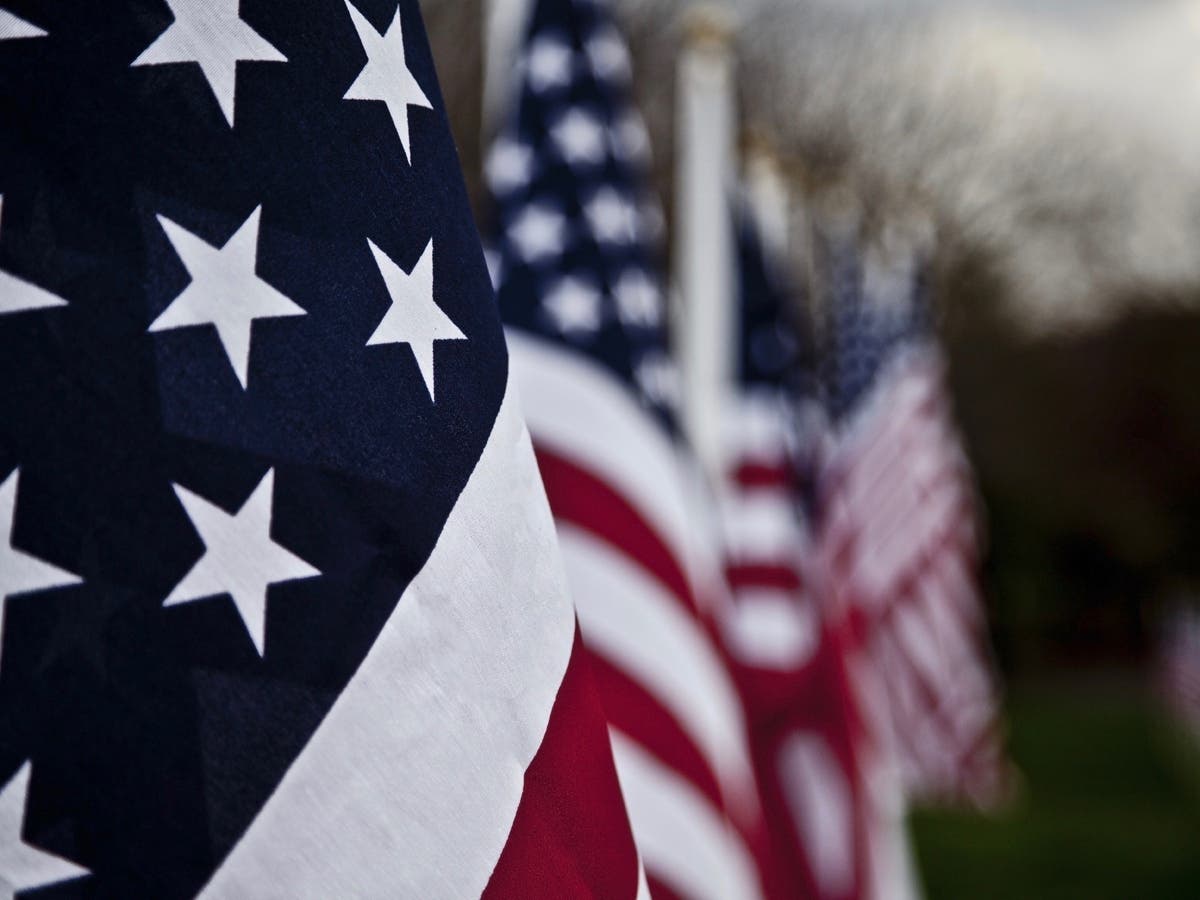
[770,628]
[705,561]
[631,620]
[684,841]
[898,458]
[585,414]
[581,412]
[409,786]
[917,642]
[866,452]
[818,796]
[761,526]
[956,641]
[759,426]
[915,467]
[895,537]
[643,888]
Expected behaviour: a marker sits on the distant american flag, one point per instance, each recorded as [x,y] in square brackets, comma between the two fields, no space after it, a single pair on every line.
[282,610]
[803,721]
[574,259]
[1178,665]
[899,533]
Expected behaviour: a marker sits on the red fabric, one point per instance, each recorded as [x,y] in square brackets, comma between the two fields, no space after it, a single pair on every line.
[571,836]
[817,699]
[636,712]
[660,891]
[822,705]
[810,697]
[579,497]
[759,473]
[780,575]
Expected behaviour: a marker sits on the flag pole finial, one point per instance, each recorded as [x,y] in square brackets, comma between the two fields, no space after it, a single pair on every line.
[709,25]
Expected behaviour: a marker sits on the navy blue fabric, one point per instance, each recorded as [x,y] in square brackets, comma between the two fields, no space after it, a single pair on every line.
[863,334]
[777,356]
[155,734]
[775,349]
[633,350]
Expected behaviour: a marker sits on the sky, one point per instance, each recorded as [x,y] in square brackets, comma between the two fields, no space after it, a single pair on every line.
[1060,137]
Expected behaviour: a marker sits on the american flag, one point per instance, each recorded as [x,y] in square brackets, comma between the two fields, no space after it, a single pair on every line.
[574,262]
[803,723]
[282,610]
[899,532]
[1177,664]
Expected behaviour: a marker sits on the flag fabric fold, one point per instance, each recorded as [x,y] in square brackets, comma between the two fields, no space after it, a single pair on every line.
[283,611]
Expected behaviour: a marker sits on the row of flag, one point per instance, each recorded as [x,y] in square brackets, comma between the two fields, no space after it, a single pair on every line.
[768,714]
[339,561]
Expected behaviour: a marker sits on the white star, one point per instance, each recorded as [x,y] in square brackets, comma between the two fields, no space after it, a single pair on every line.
[658,378]
[413,318]
[240,559]
[574,305]
[630,140]
[509,165]
[12,27]
[23,866]
[386,75]
[580,137]
[21,573]
[212,35]
[548,64]
[224,291]
[650,222]
[638,300]
[607,53]
[17,295]
[537,232]
[612,217]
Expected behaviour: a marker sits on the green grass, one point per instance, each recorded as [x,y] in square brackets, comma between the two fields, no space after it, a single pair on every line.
[1110,808]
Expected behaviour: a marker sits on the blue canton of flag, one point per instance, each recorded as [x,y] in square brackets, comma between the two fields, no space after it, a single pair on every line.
[774,347]
[869,323]
[575,238]
[281,607]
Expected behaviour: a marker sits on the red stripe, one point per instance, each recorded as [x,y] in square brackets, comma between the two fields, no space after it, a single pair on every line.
[742,575]
[846,545]
[579,497]
[845,519]
[570,837]
[659,891]
[756,474]
[638,713]
[931,694]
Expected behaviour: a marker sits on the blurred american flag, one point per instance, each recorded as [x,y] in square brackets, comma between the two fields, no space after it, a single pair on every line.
[575,266]
[1178,665]
[900,532]
[805,729]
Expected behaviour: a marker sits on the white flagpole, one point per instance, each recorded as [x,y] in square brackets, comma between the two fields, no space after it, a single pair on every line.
[504,24]
[703,307]
[770,196]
